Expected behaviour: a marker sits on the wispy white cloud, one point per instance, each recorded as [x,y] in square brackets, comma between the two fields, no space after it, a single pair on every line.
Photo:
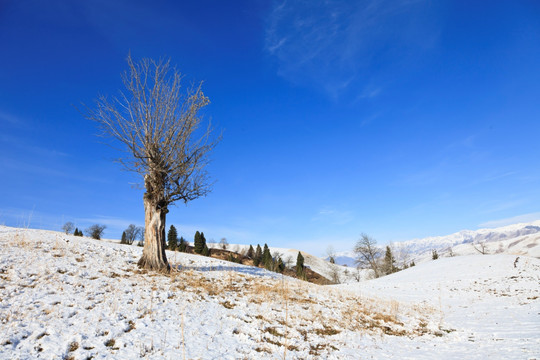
[10,118]
[495,206]
[333,216]
[44,170]
[332,44]
[370,92]
[524,218]
[22,145]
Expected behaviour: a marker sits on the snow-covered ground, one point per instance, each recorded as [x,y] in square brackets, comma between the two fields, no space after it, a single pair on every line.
[77,298]
[493,305]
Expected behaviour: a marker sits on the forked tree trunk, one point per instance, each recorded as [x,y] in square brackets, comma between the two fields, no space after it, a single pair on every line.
[154,257]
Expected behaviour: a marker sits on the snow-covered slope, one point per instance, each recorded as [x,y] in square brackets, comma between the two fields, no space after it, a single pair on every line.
[492,302]
[65,297]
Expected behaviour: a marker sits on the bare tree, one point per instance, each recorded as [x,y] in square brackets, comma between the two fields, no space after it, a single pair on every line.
[480,246]
[331,254]
[133,233]
[357,275]
[368,253]
[68,227]
[402,254]
[223,243]
[159,123]
[334,274]
[288,261]
[95,231]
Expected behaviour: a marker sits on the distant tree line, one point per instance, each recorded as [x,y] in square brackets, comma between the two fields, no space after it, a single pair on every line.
[381,261]
[94,231]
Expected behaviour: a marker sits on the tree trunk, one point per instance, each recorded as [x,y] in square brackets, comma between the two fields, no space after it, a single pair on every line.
[154,257]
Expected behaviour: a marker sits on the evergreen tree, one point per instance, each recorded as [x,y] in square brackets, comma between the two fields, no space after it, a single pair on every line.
[250,252]
[76,232]
[172,238]
[124,238]
[205,251]
[266,258]
[258,256]
[280,265]
[203,239]
[182,245]
[389,261]
[434,254]
[300,272]
[198,245]
[412,263]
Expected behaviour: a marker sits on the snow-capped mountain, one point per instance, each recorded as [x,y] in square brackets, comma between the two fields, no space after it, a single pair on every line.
[419,246]
[519,239]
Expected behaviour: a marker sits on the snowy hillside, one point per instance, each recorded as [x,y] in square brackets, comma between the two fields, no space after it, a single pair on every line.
[333,272]
[517,239]
[76,298]
[493,302]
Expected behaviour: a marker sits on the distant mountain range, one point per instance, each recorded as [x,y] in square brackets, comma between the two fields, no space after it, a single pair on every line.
[520,239]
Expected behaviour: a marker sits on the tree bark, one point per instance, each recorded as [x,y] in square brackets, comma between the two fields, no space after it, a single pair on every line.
[154,257]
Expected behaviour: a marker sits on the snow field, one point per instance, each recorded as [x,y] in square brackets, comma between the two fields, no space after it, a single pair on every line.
[493,306]
[76,298]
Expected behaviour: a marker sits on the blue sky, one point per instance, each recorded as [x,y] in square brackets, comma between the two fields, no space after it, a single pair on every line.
[401,119]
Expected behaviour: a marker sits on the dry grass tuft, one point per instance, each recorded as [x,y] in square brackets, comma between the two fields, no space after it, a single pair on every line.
[110,343]
[73,346]
[131,326]
[227,304]
[326,330]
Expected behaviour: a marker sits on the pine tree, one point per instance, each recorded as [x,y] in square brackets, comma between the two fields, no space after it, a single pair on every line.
[76,232]
[258,256]
[300,272]
[280,265]
[266,258]
[198,245]
[434,254]
[172,238]
[412,263]
[389,261]
[124,238]
[182,244]
[205,251]
[250,252]
[203,241]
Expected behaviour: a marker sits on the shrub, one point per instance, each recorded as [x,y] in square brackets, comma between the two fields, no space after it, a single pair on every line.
[95,231]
